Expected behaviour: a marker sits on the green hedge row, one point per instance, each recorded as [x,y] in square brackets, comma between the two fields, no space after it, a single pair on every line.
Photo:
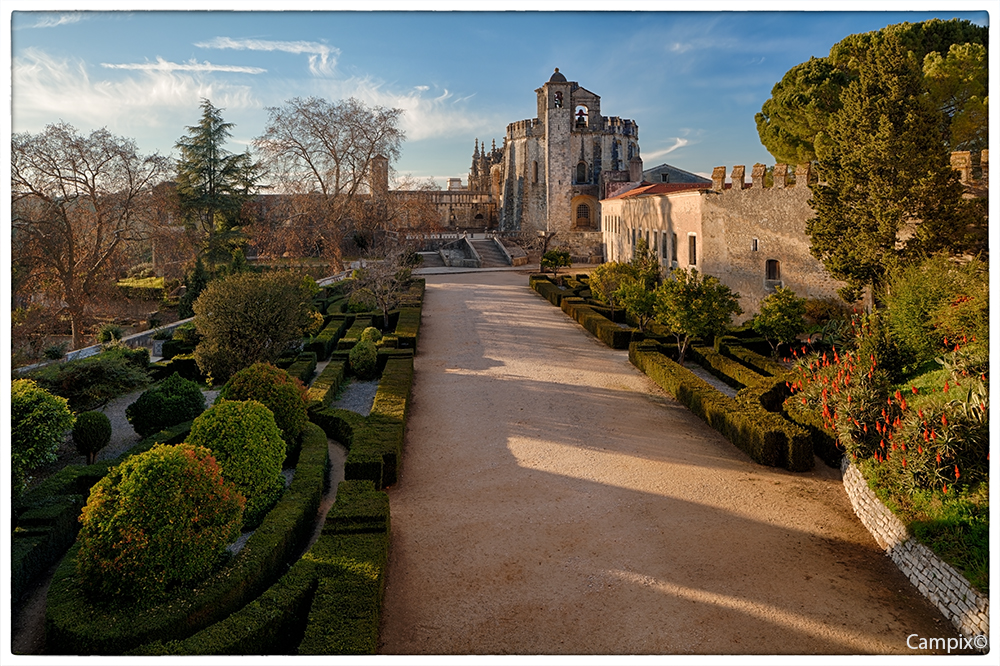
[326,340]
[734,349]
[408,327]
[353,334]
[304,367]
[603,328]
[766,437]
[725,368]
[172,348]
[824,443]
[375,442]
[76,626]
[324,388]
[47,516]
[548,291]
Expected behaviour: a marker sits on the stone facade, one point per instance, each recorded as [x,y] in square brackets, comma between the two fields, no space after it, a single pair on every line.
[557,167]
[749,236]
[948,590]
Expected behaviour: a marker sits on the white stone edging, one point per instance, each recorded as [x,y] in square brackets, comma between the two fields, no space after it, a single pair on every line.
[939,582]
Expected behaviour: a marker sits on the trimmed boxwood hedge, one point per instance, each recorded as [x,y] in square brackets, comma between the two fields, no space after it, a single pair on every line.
[182,364]
[304,367]
[407,327]
[764,365]
[766,437]
[324,387]
[375,442]
[731,372]
[361,322]
[76,626]
[326,340]
[603,328]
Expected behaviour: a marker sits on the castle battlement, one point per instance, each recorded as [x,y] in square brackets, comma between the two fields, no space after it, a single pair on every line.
[973,172]
[624,126]
[524,128]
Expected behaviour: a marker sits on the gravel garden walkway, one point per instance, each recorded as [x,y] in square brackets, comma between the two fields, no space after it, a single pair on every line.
[552,500]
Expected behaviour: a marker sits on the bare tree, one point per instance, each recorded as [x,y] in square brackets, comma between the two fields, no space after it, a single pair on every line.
[383,279]
[75,202]
[322,152]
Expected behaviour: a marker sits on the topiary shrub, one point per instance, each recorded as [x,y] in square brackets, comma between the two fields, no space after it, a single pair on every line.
[91,433]
[364,359]
[276,390]
[244,438]
[172,401]
[38,423]
[160,519]
[371,334]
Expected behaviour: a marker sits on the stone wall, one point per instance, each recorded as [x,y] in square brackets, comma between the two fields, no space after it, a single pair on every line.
[947,589]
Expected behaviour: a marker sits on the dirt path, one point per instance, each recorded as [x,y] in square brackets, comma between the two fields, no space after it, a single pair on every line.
[553,500]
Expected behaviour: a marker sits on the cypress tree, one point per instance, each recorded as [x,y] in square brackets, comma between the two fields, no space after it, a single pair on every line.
[886,192]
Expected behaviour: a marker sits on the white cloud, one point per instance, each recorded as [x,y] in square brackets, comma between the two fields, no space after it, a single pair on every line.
[47,90]
[54,20]
[678,143]
[192,65]
[322,58]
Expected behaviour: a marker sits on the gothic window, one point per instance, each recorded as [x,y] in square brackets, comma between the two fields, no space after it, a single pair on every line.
[558,100]
[772,270]
[583,215]
[581,172]
[692,250]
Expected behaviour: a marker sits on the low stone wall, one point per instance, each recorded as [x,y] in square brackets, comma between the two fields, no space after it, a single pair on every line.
[946,588]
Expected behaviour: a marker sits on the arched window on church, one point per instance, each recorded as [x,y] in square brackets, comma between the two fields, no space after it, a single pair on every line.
[581,172]
[583,215]
[558,100]
[581,116]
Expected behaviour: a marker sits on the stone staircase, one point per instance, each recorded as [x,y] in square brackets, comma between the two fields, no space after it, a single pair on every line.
[431,260]
[490,254]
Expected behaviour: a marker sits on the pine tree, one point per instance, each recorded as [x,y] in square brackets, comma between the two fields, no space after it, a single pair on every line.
[213,184]
[885,171]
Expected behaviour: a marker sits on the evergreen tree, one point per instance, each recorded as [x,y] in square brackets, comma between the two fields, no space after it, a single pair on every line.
[213,184]
[886,167]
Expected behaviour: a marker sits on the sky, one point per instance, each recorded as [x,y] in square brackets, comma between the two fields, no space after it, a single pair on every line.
[692,81]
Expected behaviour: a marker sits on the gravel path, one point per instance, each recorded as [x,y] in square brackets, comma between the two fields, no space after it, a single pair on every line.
[554,501]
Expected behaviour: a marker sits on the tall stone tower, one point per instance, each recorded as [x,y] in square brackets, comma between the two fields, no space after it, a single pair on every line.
[556,166]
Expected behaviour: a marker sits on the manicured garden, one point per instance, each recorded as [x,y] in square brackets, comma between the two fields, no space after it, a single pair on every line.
[902,392]
[192,542]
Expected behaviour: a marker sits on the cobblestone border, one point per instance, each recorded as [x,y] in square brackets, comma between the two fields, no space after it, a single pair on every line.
[943,586]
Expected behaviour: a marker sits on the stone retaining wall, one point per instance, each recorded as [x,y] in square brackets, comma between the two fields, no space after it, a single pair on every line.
[946,588]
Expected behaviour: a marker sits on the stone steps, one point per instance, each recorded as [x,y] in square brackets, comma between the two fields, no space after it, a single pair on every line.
[490,254]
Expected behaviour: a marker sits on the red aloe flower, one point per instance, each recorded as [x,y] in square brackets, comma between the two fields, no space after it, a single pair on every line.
[939,458]
[956,472]
[904,462]
[945,488]
[944,420]
[915,390]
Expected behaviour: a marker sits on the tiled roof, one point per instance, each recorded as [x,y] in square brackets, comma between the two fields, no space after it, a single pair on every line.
[662,188]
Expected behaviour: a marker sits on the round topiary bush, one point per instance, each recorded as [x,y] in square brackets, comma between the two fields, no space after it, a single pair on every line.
[38,423]
[172,401]
[91,433]
[284,395]
[244,438]
[371,334]
[160,519]
[364,359]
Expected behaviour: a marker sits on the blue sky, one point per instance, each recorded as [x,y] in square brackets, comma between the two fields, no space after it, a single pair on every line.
[692,81]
